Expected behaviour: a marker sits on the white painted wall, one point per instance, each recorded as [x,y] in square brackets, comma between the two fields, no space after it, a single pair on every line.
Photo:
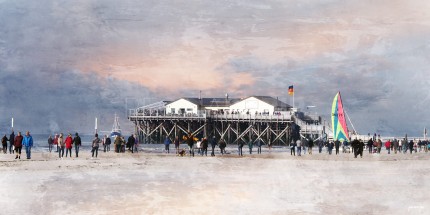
[182,104]
[252,104]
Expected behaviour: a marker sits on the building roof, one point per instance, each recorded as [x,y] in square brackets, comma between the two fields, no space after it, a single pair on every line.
[224,102]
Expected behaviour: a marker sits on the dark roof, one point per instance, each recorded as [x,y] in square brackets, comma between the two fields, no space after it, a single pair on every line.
[223,102]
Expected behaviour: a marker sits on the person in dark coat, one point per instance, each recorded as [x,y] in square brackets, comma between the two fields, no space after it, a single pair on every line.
[50,142]
[239,148]
[370,145]
[205,146]
[190,142]
[77,141]
[250,145]
[4,144]
[130,143]
[213,145]
[259,144]
[411,146]
[167,143]
[310,145]
[18,145]
[11,142]
[320,145]
[330,147]
[355,144]
[337,145]
[360,148]
[222,146]
[293,148]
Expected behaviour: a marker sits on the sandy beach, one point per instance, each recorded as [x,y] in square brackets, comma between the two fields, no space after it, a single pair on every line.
[151,182]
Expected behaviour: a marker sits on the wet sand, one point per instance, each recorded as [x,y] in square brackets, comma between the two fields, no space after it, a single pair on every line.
[272,183]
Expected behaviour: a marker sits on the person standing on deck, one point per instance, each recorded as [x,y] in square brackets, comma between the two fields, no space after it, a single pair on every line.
[4,144]
[176,142]
[18,145]
[27,141]
[50,142]
[69,145]
[11,142]
[213,145]
[77,141]
[60,146]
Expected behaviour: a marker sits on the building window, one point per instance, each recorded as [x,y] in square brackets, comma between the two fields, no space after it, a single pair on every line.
[189,110]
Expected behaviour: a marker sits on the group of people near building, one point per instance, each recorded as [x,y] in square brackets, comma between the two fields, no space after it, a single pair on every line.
[16,143]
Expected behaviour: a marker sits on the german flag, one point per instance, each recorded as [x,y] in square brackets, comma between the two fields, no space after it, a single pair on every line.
[291,90]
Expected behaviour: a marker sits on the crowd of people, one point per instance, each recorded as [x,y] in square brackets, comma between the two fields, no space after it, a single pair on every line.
[64,143]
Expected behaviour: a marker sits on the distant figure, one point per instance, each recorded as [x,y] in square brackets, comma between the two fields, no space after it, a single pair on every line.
[310,145]
[239,148]
[269,144]
[167,143]
[69,145]
[107,143]
[388,146]
[117,144]
[250,145]
[130,142]
[95,145]
[355,144]
[411,146]
[293,148]
[18,145]
[11,142]
[190,142]
[27,141]
[204,146]
[320,146]
[395,145]
[337,145]
[213,145]
[77,141]
[4,144]
[222,146]
[370,146]
[299,147]
[379,146]
[330,147]
[56,142]
[60,146]
[50,143]
[304,145]
[259,144]
[176,143]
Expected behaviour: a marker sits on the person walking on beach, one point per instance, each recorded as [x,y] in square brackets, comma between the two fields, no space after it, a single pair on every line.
[259,144]
[11,142]
[395,145]
[293,148]
[213,145]
[27,141]
[310,145]
[250,145]
[95,145]
[320,145]
[388,146]
[107,144]
[130,142]
[77,141]
[330,147]
[18,145]
[205,145]
[299,147]
[167,143]
[176,142]
[379,146]
[190,142]
[69,144]
[239,148]
[222,146]
[370,145]
[117,144]
[4,143]
[50,142]
[304,145]
[337,145]
[411,146]
[56,142]
[60,141]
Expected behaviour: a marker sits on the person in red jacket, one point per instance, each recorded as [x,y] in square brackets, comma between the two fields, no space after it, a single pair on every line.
[18,145]
[388,145]
[69,143]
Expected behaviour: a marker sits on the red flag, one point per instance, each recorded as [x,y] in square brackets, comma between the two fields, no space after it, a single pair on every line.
[291,90]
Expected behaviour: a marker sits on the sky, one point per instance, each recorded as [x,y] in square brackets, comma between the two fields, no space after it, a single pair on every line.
[63,63]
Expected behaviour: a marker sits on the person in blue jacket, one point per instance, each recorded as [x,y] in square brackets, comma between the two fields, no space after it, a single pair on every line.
[27,142]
